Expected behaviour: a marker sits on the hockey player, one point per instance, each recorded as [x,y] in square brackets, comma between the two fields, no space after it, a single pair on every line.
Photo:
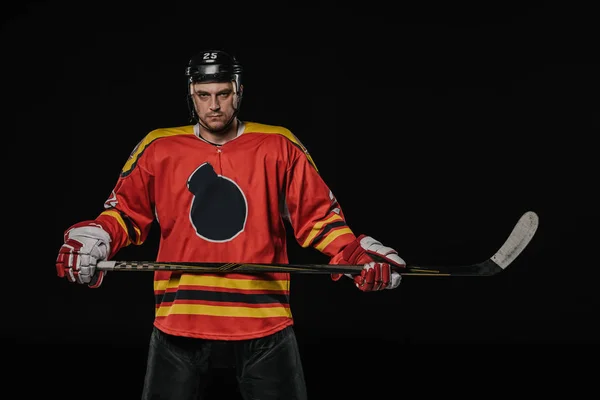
[220,189]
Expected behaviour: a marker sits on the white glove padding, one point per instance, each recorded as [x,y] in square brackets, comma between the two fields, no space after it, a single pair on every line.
[85,244]
[378,260]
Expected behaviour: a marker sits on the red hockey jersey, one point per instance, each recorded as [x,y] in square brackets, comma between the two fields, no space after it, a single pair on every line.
[223,204]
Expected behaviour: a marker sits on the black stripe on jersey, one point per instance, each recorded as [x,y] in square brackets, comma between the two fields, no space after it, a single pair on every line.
[131,232]
[328,228]
[169,297]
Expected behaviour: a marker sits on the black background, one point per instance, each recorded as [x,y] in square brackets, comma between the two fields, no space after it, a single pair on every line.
[436,127]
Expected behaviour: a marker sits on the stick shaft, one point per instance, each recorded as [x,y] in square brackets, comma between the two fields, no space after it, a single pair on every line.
[486,268]
[518,239]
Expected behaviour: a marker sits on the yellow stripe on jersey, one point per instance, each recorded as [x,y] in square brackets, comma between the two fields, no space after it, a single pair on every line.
[220,282]
[318,227]
[331,237]
[149,138]
[161,285]
[224,311]
[263,128]
[116,215]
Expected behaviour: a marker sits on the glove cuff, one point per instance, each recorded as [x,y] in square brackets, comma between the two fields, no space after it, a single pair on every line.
[353,253]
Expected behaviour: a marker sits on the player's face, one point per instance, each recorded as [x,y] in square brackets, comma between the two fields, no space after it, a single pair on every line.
[214,103]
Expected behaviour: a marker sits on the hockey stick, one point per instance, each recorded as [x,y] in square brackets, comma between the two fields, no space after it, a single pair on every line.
[516,242]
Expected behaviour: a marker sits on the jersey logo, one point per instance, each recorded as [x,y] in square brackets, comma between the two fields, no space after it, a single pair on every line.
[219,210]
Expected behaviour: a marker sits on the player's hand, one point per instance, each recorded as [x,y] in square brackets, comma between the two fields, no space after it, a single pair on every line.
[86,243]
[378,260]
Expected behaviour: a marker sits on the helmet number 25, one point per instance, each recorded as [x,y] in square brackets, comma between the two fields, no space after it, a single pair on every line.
[209,56]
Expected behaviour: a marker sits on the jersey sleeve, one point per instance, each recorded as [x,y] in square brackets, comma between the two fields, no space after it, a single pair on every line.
[312,209]
[128,212]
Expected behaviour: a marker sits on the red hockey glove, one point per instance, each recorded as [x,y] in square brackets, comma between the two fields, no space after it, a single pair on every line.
[378,261]
[86,243]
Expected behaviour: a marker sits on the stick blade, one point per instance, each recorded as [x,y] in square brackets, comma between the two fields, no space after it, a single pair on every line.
[518,239]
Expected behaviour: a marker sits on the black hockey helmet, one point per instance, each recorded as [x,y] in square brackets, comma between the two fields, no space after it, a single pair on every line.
[214,66]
